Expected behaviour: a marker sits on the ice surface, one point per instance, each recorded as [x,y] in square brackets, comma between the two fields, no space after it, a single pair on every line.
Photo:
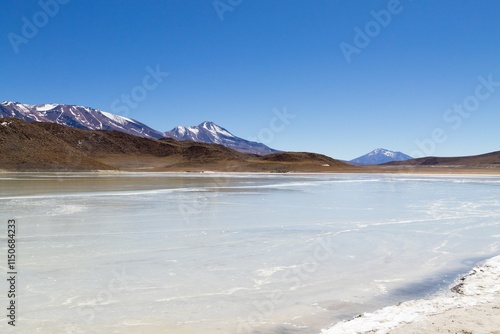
[240,253]
[479,286]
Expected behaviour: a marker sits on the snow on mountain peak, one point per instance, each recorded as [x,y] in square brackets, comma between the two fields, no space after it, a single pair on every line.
[209,127]
[380,155]
[383,151]
[46,107]
[119,119]
[181,130]
[194,130]
[93,119]
[215,129]
[78,117]
[209,132]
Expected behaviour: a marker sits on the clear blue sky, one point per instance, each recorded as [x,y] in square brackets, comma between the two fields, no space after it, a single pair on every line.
[238,62]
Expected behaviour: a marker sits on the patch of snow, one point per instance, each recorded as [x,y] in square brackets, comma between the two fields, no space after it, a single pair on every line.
[215,130]
[226,133]
[84,120]
[97,119]
[194,130]
[383,151]
[23,109]
[5,123]
[209,127]
[389,154]
[119,119]
[57,119]
[212,131]
[45,107]
[181,130]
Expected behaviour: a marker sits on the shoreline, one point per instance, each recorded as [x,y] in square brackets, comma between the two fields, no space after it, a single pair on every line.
[406,171]
[470,305]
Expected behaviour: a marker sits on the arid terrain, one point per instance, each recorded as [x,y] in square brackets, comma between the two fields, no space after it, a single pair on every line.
[51,147]
[491,160]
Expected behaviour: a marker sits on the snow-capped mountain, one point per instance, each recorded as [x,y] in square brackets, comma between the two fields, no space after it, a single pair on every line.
[209,132]
[77,117]
[380,156]
[93,119]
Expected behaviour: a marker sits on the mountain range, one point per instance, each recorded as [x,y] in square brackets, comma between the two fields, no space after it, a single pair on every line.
[209,132]
[380,156]
[42,146]
[81,117]
[24,147]
[77,117]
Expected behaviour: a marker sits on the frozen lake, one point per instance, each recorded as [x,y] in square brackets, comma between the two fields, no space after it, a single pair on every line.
[210,253]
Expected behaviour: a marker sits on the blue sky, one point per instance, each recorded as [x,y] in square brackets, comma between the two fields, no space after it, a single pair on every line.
[422,77]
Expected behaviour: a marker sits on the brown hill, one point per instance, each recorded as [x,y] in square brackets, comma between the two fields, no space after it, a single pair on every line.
[52,147]
[488,160]
[302,156]
[27,147]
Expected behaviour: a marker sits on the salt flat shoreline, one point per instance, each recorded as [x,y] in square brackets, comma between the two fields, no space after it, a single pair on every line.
[356,171]
[472,305]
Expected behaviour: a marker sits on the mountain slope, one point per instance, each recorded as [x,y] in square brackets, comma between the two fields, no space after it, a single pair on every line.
[39,146]
[380,156]
[77,117]
[27,147]
[490,160]
[92,119]
[209,132]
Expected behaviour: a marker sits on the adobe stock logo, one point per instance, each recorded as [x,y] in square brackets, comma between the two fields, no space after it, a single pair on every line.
[30,28]
[456,115]
[223,6]
[277,123]
[139,93]
[373,28]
